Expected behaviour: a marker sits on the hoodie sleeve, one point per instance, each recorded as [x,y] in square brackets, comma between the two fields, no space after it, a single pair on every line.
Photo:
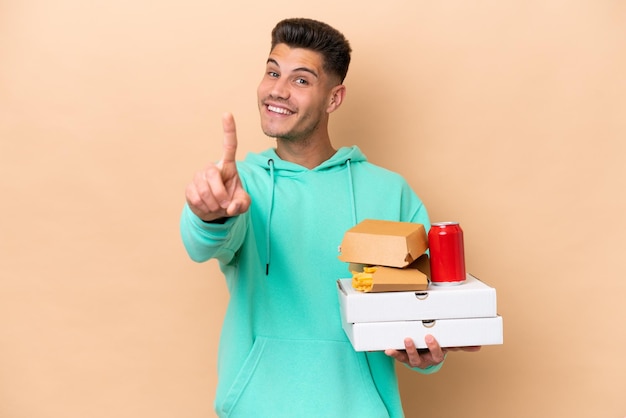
[413,208]
[204,241]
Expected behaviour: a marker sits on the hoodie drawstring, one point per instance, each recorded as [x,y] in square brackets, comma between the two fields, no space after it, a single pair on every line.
[351,185]
[270,163]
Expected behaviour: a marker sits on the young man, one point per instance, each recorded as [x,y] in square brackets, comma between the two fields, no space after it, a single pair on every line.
[274,221]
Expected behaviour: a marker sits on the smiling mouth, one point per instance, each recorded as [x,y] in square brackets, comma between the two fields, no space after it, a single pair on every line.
[279,110]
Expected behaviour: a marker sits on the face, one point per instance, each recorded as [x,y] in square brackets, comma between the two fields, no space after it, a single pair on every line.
[295,94]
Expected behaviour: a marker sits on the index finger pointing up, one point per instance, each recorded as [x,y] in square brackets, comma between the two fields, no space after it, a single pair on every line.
[230,138]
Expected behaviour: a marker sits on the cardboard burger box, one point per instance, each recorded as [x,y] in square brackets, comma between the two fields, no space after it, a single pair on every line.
[384,243]
[460,315]
[415,276]
[395,249]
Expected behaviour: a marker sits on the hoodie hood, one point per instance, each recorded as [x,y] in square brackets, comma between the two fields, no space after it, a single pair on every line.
[270,161]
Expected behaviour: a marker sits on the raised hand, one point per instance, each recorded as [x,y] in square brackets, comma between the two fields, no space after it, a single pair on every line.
[216,192]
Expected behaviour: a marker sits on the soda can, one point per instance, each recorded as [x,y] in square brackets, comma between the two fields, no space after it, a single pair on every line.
[447,253]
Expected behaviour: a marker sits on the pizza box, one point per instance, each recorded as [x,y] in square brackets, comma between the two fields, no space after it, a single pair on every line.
[470,299]
[378,336]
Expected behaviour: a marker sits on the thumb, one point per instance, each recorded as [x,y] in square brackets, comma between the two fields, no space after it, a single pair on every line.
[239,203]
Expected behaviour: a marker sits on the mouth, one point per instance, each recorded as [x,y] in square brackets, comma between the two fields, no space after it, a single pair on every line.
[279,110]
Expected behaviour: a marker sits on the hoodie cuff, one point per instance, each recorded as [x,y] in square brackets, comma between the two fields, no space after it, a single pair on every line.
[430,369]
[218,221]
[216,226]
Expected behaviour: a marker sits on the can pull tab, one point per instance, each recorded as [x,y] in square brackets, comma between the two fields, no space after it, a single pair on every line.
[421,295]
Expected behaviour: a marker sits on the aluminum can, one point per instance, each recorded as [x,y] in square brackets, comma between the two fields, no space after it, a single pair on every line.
[447,253]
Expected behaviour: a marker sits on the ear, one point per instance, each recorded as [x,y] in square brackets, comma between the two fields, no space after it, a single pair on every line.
[337,94]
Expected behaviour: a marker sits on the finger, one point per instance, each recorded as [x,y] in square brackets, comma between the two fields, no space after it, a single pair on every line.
[195,202]
[413,356]
[393,353]
[397,354]
[200,201]
[216,190]
[239,204]
[230,138]
[436,351]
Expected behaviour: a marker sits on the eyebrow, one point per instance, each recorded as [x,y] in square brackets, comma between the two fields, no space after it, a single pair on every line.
[305,69]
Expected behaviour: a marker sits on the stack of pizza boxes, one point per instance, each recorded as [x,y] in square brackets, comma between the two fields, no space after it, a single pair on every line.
[390,297]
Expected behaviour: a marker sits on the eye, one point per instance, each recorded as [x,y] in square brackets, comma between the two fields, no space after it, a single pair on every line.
[301,81]
[273,74]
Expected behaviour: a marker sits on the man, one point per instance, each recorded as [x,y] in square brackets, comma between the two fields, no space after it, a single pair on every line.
[274,222]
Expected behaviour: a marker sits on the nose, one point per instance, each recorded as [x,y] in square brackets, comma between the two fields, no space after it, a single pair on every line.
[280,88]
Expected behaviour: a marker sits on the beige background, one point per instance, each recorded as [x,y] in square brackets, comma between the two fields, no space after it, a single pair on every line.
[508,116]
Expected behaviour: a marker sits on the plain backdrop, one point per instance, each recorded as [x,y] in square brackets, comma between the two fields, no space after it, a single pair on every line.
[507,116]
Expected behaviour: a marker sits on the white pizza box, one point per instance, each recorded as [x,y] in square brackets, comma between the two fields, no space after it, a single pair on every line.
[378,336]
[470,299]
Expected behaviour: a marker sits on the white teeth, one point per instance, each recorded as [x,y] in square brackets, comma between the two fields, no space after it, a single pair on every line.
[278,110]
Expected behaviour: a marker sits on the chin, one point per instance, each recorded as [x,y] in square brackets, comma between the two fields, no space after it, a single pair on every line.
[272,131]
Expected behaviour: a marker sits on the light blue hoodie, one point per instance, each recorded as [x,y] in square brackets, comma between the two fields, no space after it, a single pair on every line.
[283,352]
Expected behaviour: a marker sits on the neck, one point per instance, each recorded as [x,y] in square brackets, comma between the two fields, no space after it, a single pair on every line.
[305,153]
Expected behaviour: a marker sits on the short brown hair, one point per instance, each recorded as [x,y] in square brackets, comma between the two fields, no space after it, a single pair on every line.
[316,36]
